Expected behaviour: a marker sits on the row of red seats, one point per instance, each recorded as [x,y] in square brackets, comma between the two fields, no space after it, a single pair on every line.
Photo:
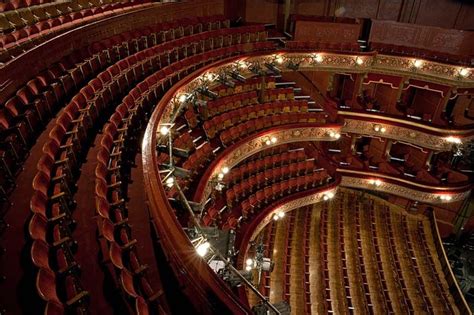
[395,261]
[184,142]
[242,130]
[288,251]
[250,84]
[422,53]
[247,186]
[420,239]
[27,112]
[228,103]
[124,43]
[268,162]
[280,189]
[123,73]
[308,45]
[414,266]
[69,136]
[18,4]
[306,261]
[199,159]
[249,112]
[116,151]
[18,18]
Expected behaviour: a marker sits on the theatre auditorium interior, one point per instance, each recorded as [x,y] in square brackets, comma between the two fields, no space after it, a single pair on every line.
[236,157]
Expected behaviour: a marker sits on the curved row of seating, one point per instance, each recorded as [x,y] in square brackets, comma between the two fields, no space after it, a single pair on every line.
[360,270]
[73,127]
[41,97]
[260,180]
[30,27]
[121,73]
[242,130]
[249,112]
[117,147]
[267,162]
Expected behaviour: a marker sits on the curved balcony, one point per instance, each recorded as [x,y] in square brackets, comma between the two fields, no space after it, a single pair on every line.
[199,278]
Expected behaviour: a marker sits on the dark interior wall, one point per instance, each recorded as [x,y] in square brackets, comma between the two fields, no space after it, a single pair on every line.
[443,13]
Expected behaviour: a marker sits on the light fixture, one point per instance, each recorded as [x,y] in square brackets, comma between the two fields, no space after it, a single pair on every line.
[445,197]
[248,268]
[417,63]
[273,139]
[220,176]
[375,182]
[242,65]
[318,58]
[249,262]
[281,214]
[225,170]
[328,195]
[452,139]
[170,181]
[379,128]
[210,76]
[279,59]
[182,98]
[359,61]
[203,248]
[164,130]
[270,140]
[463,72]
[276,217]
[335,135]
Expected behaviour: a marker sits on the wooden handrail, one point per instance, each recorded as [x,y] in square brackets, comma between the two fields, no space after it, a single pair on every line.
[448,272]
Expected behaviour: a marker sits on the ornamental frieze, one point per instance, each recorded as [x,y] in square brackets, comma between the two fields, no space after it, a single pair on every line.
[413,136]
[403,191]
[241,151]
[289,206]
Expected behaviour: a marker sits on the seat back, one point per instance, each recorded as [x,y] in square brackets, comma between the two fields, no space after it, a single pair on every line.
[46,285]
[40,254]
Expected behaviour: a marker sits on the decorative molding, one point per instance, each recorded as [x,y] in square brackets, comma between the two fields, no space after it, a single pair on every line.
[403,191]
[413,136]
[411,124]
[291,205]
[242,150]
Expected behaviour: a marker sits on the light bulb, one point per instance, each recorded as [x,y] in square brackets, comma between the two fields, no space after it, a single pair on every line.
[318,58]
[203,248]
[170,181]
[164,130]
[225,170]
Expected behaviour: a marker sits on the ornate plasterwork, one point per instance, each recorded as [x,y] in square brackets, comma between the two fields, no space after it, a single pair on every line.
[401,66]
[394,132]
[403,191]
[291,205]
[244,150]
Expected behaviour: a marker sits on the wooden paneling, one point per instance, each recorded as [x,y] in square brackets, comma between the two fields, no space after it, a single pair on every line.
[262,11]
[326,32]
[438,13]
[315,7]
[465,18]
[389,9]
[432,38]
[442,13]
[360,8]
